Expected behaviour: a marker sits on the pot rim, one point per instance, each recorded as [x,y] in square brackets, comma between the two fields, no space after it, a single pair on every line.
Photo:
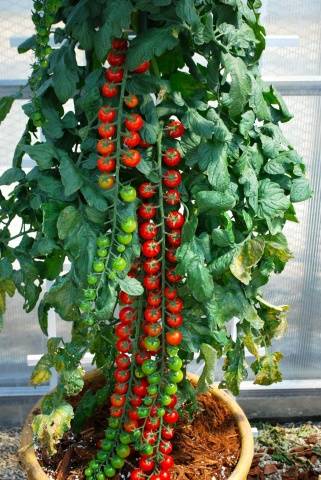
[34,470]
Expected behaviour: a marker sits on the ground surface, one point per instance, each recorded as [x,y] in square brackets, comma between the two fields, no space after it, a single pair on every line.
[282,453]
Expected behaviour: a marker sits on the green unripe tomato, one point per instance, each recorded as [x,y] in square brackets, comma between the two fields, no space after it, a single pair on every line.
[152,344]
[129,225]
[98,266]
[143,412]
[172,351]
[102,252]
[93,465]
[171,389]
[147,449]
[90,294]
[136,435]
[119,264]
[44,63]
[125,238]
[161,412]
[125,438]
[109,471]
[112,276]
[128,194]
[123,451]
[154,378]
[114,422]
[176,377]
[102,242]
[100,476]
[101,456]
[110,434]
[88,472]
[152,390]
[148,401]
[139,373]
[166,400]
[85,306]
[175,363]
[121,248]
[92,280]
[149,367]
[117,462]
[107,445]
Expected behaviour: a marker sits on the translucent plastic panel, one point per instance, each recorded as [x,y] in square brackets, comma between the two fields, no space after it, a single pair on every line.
[291,18]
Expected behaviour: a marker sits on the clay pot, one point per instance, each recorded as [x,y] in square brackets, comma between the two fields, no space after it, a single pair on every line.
[35,472]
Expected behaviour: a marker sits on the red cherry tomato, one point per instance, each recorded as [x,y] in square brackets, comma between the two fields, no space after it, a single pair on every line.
[155,476]
[131,158]
[106,164]
[131,101]
[174,337]
[123,331]
[152,315]
[122,361]
[119,44]
[173,402]
[174,320]
[170,293]
[172,157]
[142,68]
[131,139]
[140,357]
[148,230]
[151,248]
[123,345]
[136,401]
[146,464]
[147,211]
[140,388]
[152,424]
[172,178]
[150,437]
[125,298]
[117,400]
[133,414]
[167,432]
[153,329]
[121,388]
[167,463]
[107,114]
[165,447]
[105,147]
[171,255]
[116,412]
[172,197]
[152,266]
[173,277]
[146,190]
[116,59]
[164,475]
[109,90]
[127,315]
[106,131]
[134,122]
[175,219]
[175,306]
[151,282]
[154,299]
[137,474]
[114,74]
[175,129]
[174,238]
[130,425]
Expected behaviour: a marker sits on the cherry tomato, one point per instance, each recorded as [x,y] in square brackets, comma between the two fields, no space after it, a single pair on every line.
[168,432]
[152,424]
[140,357]
[151,248]
[128,193]
[152,266]
[175,306]
[127,315]
[146,464]
[167,463]
[173,277]
[174,238]
[175,219]
[140,387]
[106,182]
[134,122]
[148,230]
[152,344]
[130,425]
[121,388]
[164,475]
[154,299]
[170,293]
[176,377]
[172,197]
[174,337]
[106,131]
[172,178]
[165,447]
[152,315]
[146,190]
[123,331]
[149,367]
[171,255]
[106,164]
[119,264]
[147,211]
[107,114]
[133,414]
[136,401]
[116,412]
[137,474]
[117,400]
[119,44]
[172,157]
[153,329]
[174,320]
[114,74]
[122,361]
[131,139]
[116,59]
[175,129]
[123,345]
[173,402]
[129,225]
[109,90]
[131,158]
[131,101]
[125,299]
[105,147]
[151,282]
[155,476]
[142,68]
[144,144]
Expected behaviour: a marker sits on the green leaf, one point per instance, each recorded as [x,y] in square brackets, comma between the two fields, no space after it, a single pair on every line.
[300,190]
[186,11]
[220,131]
[184,83]
[42,153]
[216,202]
[272,200]
[235,367]
[5,107]
[199,281]
[70,174]
[247,257]
[217,172]
[72,381]
[12,175]
[209,355]
[28,44]
[267,369]
[247,123]
[240,84]
[65,72]
[198,124]
[67,221]
[93,197]
[131,286]
[257,101]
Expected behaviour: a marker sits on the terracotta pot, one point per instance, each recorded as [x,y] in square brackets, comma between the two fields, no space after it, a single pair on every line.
[35,472]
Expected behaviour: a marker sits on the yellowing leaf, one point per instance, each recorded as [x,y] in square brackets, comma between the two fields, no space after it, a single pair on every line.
[248,256]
